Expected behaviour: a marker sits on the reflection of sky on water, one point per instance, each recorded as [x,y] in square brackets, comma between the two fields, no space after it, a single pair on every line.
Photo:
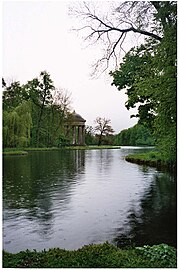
[72,198]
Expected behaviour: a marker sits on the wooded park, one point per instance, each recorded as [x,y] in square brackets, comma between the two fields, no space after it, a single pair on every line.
[70,199]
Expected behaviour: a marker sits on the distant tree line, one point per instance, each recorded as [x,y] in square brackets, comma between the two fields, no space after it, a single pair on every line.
[102,134]
[135,136]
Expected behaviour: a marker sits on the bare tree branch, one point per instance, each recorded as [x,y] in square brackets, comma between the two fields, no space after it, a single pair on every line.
[128,17]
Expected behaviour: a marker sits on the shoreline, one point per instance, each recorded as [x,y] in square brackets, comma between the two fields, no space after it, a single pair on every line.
[151,159]
[24,151]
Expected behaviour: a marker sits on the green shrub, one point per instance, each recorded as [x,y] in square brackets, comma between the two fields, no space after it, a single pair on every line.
[163,253]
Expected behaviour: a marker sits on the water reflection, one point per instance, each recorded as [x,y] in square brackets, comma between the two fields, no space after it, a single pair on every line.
[31,182]
[156,217]
[71,198]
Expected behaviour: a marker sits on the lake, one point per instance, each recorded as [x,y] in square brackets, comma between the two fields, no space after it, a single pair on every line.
[71,198]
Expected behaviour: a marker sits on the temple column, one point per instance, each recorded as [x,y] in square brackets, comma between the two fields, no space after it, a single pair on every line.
[83,135]
[74,135]
[80,141]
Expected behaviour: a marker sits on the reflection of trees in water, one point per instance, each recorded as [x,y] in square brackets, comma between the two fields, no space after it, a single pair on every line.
[105,160]
[34,181]
[100,160]
[155,222]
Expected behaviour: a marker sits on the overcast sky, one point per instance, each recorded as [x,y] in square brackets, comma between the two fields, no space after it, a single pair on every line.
[36,37]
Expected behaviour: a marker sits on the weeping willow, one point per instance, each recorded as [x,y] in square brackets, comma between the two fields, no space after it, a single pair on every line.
[17,126]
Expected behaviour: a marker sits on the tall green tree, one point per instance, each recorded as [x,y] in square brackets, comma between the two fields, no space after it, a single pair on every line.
[40,92]
[148,74]
[17,125]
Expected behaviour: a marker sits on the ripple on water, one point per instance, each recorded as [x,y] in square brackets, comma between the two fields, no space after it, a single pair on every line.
[80,197]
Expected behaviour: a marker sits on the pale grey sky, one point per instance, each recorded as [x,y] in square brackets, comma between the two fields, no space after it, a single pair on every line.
[36,37]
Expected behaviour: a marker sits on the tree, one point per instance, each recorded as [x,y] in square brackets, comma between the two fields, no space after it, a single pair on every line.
[136,135]
[90,138]
[133,76]
[13,94]
[34,113]
[17,126]
[40,92]
[57,114]
[17,120]
[103,128]
[148,72]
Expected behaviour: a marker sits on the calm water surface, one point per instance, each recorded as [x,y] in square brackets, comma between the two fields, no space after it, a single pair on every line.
[72,198]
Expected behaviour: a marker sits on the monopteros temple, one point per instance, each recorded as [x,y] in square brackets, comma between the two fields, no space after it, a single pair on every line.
[76,129]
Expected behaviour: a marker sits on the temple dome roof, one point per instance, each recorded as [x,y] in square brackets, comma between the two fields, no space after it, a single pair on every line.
[77,117]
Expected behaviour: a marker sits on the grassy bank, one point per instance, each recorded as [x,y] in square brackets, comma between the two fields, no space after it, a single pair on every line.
[24,151]
[21,151]
[14,151]
[92,147]
[94,256]
[152,159]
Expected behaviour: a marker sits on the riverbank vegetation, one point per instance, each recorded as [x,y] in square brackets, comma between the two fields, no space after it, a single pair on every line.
[153,159]
[15,152]
[94,256]
[92,147]
[25,151]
